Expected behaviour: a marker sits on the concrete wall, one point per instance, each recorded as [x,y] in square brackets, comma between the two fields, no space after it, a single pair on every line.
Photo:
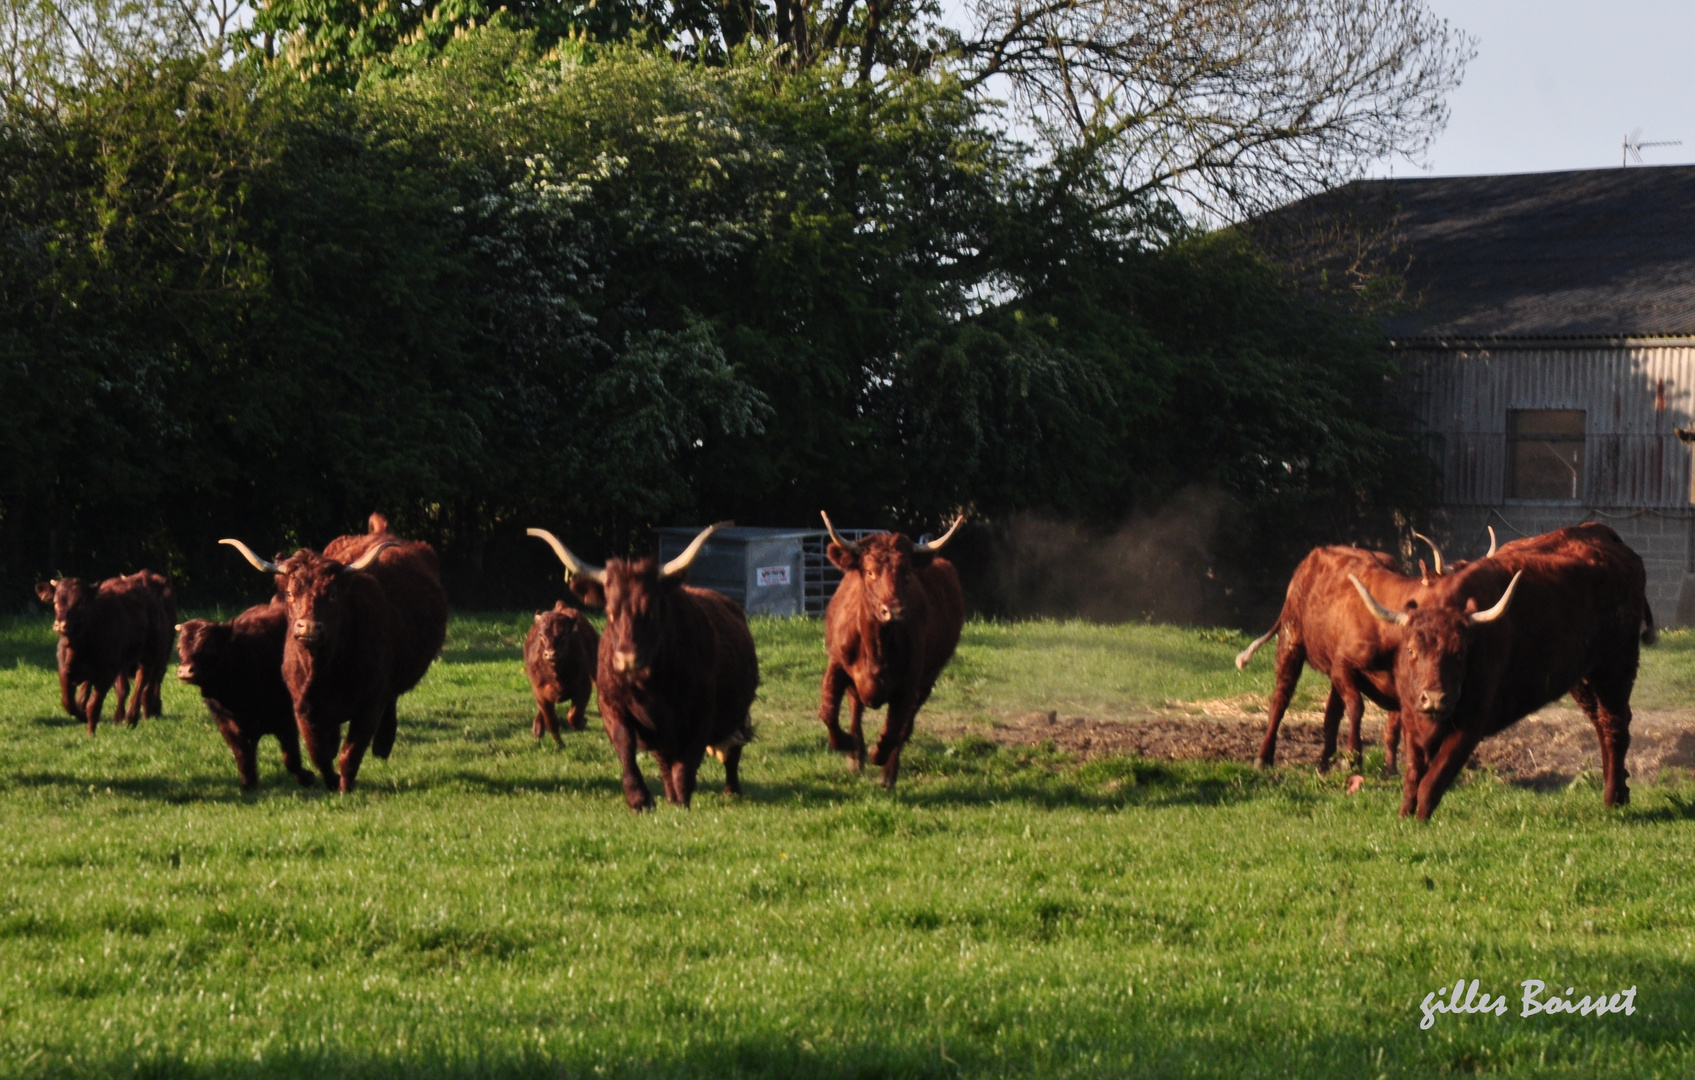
[1664,538]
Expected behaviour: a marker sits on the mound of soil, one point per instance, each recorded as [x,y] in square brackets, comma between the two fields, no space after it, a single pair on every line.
[1545,749]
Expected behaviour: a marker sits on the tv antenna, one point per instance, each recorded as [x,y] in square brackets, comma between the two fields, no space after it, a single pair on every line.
[1633,147]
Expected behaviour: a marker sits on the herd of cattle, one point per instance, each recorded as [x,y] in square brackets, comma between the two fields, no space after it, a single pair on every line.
[1453,657]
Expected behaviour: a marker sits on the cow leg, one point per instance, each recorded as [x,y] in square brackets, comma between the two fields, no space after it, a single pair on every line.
[836,683]
[732,770]
[155,706]
[1333,707]
[67,692]
[1354,702]
[636,794]
[684,774]
[1392,743]
[94,699]
[382,740]
[320,746]
[550,720]
[1609,710]
[578,717]
[897,727]
[243,749]
[856,729]
[1291,654]
[360,733]
[1445,764]
[120,700]
[288,738]
[667,779]
[1418,762]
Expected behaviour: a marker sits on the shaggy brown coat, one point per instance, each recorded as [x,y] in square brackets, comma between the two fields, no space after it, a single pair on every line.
[110,633]
[237,666]
[560,655]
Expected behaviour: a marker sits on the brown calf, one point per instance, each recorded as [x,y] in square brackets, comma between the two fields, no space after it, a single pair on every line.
[890,629]
[237,667]
[560,655]
[366,619]
[109,634]
[676,670]
[1566,614]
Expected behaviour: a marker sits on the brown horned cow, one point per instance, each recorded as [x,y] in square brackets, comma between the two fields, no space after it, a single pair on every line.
[366,619]
[1321,625]
[237,666]
[1567,614]
[560,655]
[677,669]
[110,633]
[890,629]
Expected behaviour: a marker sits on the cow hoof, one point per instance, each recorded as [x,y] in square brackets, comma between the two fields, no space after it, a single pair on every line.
[305,779]
[856,761]
[1263,763]
[878,756]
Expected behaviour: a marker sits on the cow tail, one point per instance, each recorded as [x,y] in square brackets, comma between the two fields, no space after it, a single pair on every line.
[1649,634]
[1247,654]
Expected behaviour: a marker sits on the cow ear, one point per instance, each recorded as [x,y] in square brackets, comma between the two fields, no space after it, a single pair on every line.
[44,590]
[842,557]
[561,607]
[540,615]
[1471,606]
[591,592]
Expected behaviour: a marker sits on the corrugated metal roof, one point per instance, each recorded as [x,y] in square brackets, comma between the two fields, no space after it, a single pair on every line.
[1596,253]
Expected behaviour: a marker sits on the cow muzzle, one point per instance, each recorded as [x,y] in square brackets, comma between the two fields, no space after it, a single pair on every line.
[625,661]
[1434,703]
[306,632]
[185,672]
[890,613]
[58,626]
[547,654]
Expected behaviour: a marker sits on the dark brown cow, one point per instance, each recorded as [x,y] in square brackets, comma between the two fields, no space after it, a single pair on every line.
[1321,625]
[366,620]
[237,666]
[560,655]
[890,629]
[1566,614]
[110,633]
[677,669]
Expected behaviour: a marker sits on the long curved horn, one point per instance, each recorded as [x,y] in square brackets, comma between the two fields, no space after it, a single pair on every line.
[1399,618]
[936,545]
[681,562]
[1491,529]
[1434,550]
[1500,607]
[366,559]
[574,567]
[258,563]
[848,544]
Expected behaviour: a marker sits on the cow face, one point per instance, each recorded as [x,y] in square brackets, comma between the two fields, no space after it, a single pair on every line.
[314,589]
[554,632]
[882,567]
[71,601]
[200,647]
[1430,666]
[636,594]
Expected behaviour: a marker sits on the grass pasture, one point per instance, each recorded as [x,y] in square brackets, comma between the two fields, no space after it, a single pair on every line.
[485,906]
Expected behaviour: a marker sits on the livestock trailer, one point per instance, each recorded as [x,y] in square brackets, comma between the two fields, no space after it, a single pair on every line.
[767,571]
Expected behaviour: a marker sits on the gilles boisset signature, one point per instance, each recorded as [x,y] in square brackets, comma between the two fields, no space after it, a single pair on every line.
[1621,1002]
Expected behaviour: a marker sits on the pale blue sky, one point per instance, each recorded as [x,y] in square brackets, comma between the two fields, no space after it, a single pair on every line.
[1557,84]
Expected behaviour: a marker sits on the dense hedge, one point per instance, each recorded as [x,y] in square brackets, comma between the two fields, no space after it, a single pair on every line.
[607,290]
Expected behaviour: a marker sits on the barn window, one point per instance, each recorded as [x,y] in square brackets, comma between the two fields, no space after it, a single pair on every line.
[1545,454]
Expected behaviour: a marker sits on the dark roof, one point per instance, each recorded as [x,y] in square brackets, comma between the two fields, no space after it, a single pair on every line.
[1596,253]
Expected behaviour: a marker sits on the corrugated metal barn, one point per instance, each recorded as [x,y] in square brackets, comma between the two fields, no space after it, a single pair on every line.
[1549,344]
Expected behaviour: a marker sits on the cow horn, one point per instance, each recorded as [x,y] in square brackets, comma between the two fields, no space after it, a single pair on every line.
[1491,529]
[574,567]
[1399,618]
[847,544]
[1435,551]
[936,545]
[247,552]
[681,562]
[366,559]
[1500,607]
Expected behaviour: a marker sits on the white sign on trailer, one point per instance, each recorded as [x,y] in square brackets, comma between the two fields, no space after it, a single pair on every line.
[771,575]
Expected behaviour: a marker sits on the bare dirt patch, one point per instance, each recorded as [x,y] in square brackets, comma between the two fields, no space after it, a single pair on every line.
[1547,748]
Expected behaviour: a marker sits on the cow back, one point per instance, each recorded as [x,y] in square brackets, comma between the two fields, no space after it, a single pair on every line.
[409,575]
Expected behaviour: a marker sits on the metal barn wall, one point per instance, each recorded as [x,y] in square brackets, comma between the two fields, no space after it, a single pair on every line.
[1633,457]
[1636,470]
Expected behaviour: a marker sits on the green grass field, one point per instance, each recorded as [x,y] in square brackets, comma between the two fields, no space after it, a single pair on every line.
[486,907]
